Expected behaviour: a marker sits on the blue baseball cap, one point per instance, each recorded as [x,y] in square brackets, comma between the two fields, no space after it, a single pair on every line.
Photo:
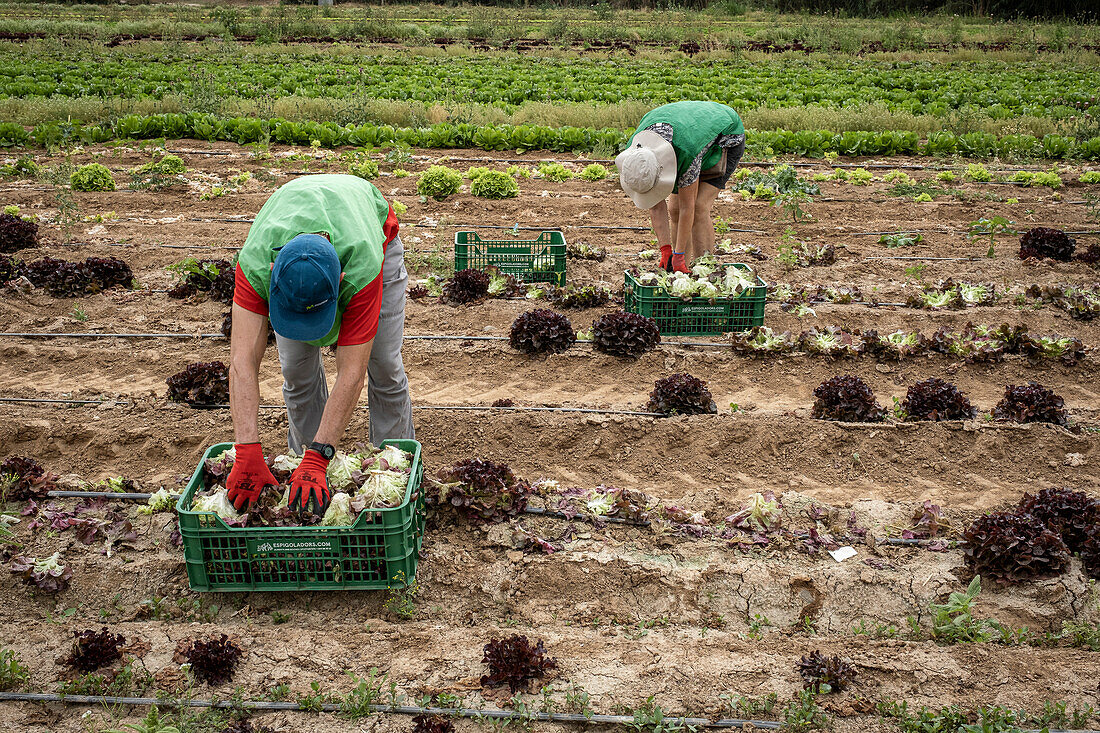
[305,287]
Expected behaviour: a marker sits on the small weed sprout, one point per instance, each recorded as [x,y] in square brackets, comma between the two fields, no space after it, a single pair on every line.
[12,672]
[366,693]
[991,227]
[757,624]
[1084,635]
[790,204]
[278,693]
[650,718]
[401,597]
[750,707]
[803,713]
[152,723]
[314,700]
[916,272]
[577,701]
[953,623]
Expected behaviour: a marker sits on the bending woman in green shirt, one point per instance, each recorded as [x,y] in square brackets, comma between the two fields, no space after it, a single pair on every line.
[684,152]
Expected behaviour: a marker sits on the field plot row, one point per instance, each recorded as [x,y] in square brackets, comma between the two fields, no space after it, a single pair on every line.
[701,609]
[481,373]
[952,463]
[877,515]
[1000,90]
[522,137]
[210,203]
[689,31]
[558,100]
[617,607]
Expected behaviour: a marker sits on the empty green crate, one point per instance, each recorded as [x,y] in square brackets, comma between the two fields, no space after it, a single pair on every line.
[697,316]
[540,260]
[379,551]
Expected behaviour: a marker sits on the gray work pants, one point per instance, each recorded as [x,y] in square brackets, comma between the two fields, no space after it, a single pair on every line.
[306,391]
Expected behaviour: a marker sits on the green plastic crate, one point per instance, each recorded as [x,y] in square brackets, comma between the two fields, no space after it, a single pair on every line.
[382,545]
[698,316]
[540,260]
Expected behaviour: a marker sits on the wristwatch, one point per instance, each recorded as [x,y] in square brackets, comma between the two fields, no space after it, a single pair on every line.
[326,450]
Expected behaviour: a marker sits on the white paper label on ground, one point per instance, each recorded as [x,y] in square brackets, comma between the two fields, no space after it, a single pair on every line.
[843,553]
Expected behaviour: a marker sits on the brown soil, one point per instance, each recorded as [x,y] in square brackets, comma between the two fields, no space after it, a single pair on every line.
[627,612]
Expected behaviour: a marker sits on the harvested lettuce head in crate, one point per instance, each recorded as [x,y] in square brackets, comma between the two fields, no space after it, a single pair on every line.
[708,279]
[362,479]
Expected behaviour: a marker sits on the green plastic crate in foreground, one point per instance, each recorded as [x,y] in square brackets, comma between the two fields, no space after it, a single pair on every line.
[540,260]
[698,316]
[382,545]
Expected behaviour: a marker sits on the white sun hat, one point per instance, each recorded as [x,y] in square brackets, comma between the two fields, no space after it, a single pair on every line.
[647,169]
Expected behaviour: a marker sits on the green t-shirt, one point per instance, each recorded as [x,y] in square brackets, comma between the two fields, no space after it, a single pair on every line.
[351,211]
[695,126]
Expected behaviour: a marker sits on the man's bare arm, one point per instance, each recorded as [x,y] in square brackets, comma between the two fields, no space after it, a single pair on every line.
[351,376]
[246,350]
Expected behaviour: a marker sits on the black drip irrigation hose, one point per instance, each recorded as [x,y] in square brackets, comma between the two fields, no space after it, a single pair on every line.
[680,344]
[510,160]
[584,410]
[541,717]
[162,246]
[684,344]
[919,257]
[458,338]
[533,511]
[903,231]
[607,227]
[743,164]
[514,227]
[884,166]
[139,496]
[114,335]
[45,401]
[466,408]
[198,152]
[623,255]
[114,495]
[263,705]
[486,226]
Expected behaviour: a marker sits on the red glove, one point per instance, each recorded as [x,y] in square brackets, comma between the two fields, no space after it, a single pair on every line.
[666,257]
[309,484]
[249,475]
[678,264]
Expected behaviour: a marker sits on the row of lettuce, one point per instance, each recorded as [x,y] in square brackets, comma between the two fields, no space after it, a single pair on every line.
[521,138]
[994,89]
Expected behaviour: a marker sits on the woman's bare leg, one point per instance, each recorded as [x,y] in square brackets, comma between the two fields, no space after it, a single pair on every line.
[702,233]
[674,219]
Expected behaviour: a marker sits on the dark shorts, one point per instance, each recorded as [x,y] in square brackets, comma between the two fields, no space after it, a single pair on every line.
[719,175]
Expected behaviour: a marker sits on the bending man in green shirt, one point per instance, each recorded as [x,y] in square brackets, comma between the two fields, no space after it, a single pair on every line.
[324,262]
[684,152]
